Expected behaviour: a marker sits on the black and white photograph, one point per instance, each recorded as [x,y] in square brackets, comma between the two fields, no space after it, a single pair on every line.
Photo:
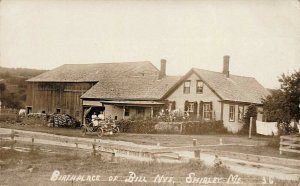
[149,92]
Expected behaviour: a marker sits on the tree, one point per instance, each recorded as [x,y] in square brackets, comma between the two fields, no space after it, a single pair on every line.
[283,104]
[2,87]
[11,101]
[251,112]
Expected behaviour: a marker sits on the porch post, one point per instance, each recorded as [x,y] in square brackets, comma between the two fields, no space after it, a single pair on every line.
[123,116]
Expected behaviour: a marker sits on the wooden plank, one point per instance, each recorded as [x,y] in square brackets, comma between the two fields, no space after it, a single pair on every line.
[255,158]
[290,144]
[5,135]
[293,138]
[289,150]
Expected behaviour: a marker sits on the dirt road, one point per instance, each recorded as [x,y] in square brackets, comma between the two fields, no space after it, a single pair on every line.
[118,147]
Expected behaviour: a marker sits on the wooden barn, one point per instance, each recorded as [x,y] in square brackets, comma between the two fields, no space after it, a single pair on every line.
[121,89]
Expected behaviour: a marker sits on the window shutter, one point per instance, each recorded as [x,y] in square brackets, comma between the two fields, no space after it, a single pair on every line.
[201,110]
[186,103]
[211,110]
[173,105]
[166,105]
[195,107]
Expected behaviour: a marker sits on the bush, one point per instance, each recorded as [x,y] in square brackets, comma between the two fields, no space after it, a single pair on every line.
[8,117]
[168,127]
[138,126]
[191,127]
[206,127]
[274,142]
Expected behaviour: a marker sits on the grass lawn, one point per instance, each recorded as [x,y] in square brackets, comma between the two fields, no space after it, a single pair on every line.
[261,144]
[36,168]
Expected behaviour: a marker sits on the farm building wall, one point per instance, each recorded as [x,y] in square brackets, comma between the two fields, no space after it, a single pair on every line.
[48,97]
[116,112]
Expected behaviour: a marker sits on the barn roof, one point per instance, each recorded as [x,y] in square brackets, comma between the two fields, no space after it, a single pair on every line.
[131,88]
[95,72]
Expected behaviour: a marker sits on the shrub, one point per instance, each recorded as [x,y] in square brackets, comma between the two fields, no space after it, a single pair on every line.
[204,127]
[274,142]
[168,127]
[138,126]
[8,117]
[191,127]
[251,112]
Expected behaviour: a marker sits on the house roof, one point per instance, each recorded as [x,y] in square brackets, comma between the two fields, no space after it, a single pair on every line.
[95,72]
[235,88]
[131,88]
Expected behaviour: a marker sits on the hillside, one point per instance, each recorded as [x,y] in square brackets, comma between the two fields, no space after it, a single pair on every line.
[13,85]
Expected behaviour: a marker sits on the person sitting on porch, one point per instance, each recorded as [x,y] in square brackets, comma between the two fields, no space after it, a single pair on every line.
[101,116]
[95,119]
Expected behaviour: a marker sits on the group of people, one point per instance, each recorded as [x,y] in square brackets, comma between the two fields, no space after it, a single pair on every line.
[97,118]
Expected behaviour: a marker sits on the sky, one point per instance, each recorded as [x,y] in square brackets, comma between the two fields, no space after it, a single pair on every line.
[262,37]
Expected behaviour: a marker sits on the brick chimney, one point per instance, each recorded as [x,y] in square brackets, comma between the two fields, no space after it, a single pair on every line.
[162,72]
[226,65]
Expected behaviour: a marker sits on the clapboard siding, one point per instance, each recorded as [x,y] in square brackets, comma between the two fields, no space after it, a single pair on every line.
[48,97]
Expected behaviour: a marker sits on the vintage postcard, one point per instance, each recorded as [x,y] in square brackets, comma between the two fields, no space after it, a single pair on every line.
[96,92]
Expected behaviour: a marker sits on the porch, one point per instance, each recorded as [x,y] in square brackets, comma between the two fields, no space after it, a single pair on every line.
[124,109]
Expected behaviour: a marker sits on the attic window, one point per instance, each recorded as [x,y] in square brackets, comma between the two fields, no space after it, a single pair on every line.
[199,89]
[187,87]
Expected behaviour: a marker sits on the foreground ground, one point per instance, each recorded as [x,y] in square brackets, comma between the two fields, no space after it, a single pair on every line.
[258,145]
[37,168]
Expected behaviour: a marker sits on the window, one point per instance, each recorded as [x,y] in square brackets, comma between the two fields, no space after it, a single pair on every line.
[199,87]
[187,87]
[57,111]
[29,110]
[231,112]
[126,111]
[241,113]
[171,105]
[207,110]
[140,110]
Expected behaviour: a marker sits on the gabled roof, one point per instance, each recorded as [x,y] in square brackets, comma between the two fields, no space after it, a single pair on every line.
[131,88]
[95,72]
[235,88]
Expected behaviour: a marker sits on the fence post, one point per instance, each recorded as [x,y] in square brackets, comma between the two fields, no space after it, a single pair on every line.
[94,149]
[194,142]
[13,141]
[32,143]
[280,146]
[250,127]
[197,154]
[180,128]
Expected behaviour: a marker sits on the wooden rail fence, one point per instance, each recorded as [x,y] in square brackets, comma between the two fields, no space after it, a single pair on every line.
[289,144]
